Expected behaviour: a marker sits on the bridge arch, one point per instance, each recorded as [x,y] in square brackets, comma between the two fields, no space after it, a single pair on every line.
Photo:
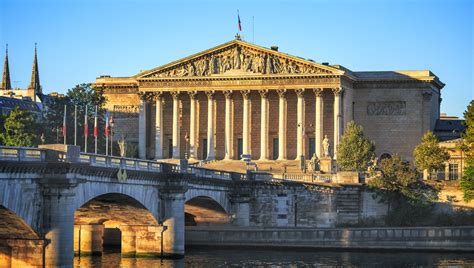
[144,194]
[205,210]
[115,220]
[20,245]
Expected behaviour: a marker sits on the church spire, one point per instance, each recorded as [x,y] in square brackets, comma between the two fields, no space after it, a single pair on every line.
[6,73]
[35,81]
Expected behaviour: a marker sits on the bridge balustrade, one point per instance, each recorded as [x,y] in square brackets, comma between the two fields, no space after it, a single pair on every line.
[10,153]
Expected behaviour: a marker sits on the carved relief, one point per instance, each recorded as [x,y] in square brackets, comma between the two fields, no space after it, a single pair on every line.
[386,108]
[239,58]
[125,111]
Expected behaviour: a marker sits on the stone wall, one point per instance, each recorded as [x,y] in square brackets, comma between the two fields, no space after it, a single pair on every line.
[409,238]
[395,117]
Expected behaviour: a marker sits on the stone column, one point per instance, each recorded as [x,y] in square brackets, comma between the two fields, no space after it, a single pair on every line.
[319,135]
[264,125]
[58,219]
[158,125]
[172,197]
[142,126]
[337,118]
[193,134]
[229,129]
[91,239]
[246,122]
[176,128]
[210,125]
[300,124]
[282,125]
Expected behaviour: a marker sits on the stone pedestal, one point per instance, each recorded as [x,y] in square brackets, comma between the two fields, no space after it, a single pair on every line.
[88,239]
[326,164]
[141,240]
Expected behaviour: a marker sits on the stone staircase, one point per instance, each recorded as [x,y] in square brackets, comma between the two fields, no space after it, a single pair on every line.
[348,204]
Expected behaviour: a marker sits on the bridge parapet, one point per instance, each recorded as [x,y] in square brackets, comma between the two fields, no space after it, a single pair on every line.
[9,153]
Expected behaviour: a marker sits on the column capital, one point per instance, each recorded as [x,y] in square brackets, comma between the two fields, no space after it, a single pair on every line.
[156,95]
[281,92]
[263,93]
[175,94]
[227,93]
[300,92]
[145,96]
[245,94]
[192,94]
[337,91]
[210,94]
[318,92]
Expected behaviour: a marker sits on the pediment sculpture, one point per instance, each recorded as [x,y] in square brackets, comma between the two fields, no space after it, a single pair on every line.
[238,58]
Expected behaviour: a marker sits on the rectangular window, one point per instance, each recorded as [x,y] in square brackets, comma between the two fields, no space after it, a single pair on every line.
[453,171]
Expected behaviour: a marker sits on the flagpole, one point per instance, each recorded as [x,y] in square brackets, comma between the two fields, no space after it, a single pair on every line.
[95,130]
[106,132]
[86,130]
[64,124]
[75,125]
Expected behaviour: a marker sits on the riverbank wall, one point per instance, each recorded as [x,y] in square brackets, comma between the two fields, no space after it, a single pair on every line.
[408,238]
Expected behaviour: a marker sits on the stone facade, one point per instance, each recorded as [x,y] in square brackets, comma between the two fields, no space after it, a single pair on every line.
[239,98]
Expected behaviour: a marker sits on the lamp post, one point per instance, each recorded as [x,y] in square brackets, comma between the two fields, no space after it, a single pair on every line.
[112,123]
[186,139]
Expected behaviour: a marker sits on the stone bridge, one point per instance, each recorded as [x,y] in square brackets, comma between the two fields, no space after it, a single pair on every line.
[56,202]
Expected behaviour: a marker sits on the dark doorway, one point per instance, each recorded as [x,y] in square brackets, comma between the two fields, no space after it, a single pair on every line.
[240,148]
[275,148]
[170,148]
[312,147]
[204,149]
[112,239]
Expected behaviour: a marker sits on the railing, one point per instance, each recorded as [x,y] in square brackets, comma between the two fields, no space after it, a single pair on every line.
[120,162]
[8,153]
[22,154]
[325,178]
[211,173]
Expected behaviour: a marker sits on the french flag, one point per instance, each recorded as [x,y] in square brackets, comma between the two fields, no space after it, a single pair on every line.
[107,123]
[96,133]
[86,127]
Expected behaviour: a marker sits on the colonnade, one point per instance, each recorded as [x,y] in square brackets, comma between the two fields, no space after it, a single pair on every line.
[246,123]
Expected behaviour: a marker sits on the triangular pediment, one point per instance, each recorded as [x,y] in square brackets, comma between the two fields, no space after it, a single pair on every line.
[238,58]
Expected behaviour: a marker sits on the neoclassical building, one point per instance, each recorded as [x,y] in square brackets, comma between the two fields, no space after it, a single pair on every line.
[239,98]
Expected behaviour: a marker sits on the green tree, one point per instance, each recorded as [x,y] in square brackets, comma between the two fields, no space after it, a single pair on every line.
[467,181]
[428,155]
[399,186]
[354,151]
[19,129]
[79,96]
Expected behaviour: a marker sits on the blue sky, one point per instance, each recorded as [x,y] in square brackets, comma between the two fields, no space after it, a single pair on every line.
[80,40]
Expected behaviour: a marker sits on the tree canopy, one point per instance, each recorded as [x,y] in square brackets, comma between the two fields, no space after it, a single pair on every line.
[399,186]
[19,129]
[467,181]
[354,151]
[428,155]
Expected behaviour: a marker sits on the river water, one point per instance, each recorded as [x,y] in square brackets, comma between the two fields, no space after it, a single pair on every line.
[208,257]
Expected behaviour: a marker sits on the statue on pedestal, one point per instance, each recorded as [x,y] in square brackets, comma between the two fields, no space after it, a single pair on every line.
[122,146]
[326,146]
[314,163]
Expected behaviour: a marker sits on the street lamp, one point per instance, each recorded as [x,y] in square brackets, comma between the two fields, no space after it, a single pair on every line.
[186,138]
[112,123]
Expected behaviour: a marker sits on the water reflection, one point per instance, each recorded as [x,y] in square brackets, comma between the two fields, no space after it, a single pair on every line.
[282,258]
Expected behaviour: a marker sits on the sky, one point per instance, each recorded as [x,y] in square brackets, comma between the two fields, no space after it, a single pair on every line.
[79,40]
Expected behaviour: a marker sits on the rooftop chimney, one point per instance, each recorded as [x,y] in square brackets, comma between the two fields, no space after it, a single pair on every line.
[275,48]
